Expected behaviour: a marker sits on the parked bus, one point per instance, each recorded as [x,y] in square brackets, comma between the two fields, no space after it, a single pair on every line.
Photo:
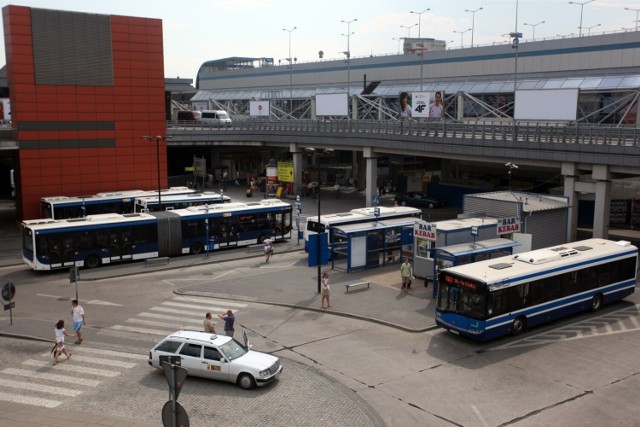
[505,295]
[103,239]
[355,216]
[152,203]
[122,202]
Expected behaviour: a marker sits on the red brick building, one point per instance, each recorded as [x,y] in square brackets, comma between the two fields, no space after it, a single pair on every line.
[84,89]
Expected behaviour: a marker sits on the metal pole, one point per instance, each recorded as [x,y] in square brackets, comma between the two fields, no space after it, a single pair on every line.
[174,400]
[319,246]
[158,138]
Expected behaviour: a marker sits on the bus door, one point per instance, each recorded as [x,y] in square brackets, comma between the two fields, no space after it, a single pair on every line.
[282,224]
[228,232]
[120,246]
[374,248]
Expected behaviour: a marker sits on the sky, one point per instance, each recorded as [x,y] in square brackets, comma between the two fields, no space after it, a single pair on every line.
[203,30]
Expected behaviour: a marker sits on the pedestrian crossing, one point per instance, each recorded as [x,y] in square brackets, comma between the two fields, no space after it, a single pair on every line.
[181,312]
[36,382]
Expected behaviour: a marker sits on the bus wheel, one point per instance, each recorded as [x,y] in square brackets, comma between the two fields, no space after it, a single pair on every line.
[196,248]
[92,261]
[518,326]
[596,302]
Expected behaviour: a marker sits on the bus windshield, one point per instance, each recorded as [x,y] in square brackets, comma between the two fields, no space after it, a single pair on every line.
[469,301]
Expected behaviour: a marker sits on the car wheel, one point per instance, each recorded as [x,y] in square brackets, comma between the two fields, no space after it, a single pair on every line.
[518,326]
[92,261]
[246,381]
[596,302]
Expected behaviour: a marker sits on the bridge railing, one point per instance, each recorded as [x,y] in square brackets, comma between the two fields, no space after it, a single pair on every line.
[524,132]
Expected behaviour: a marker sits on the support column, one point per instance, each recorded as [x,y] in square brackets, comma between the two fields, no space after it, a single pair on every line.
[294,149]
[313,109]
[354,108]
[603,201]
[371,174]
[460,112]
[570,177]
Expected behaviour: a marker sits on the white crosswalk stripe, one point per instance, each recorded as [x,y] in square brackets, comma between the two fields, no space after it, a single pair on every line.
[37,382]
[181,312]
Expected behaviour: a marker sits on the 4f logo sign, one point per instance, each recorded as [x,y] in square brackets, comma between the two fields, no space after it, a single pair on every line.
[420,108]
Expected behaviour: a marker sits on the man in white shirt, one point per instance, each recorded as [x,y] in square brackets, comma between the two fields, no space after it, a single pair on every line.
[77,313]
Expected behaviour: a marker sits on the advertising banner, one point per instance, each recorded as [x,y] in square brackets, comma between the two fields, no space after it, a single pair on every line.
[422,105]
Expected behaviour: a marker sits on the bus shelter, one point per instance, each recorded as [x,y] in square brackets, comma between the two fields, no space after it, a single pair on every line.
[467,253]
[372,244]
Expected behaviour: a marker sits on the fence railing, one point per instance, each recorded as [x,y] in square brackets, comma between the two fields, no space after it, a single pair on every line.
[501,131]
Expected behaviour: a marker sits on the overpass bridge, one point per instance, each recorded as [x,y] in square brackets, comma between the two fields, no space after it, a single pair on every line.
[604,153]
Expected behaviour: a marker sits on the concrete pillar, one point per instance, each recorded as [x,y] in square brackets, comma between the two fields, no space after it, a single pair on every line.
[354,165]
[570,177]
[313,108]
[354,107]
[602,211]
[371,174]
[460,106]
[294,149]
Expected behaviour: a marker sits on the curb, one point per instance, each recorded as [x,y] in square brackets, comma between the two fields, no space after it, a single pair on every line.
[302,307]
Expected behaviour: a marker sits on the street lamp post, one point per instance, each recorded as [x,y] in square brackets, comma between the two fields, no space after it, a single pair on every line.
[158,138]
[473,21]
[637,11]
[408,27]
[533,38]
[422,49]
[290,59]
[589,28]
[348,54]
[462,35]
[420,19]
[399,39]
[581,4]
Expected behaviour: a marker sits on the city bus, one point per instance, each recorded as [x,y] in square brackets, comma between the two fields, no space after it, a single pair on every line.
[183,201]
[101,239]
[355,216]
[122,202]
[506,295]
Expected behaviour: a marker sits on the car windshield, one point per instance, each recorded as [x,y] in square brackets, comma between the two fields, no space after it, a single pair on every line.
[233,349]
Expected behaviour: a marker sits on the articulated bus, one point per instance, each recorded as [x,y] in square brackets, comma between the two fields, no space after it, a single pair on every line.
[122,202]
[103,239]
[355,216]
[152,203]
[505,295]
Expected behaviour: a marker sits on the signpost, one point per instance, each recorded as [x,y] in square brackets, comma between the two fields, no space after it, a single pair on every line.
[173,414]
[8,293]
[298,211]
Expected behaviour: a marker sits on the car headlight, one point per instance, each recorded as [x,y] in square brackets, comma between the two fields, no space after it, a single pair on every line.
[264,373]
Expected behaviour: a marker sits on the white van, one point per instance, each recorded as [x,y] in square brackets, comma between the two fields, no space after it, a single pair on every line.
[216,117]
[188,116]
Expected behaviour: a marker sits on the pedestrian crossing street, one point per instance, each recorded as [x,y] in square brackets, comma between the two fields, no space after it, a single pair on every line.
[37,382]
[181,312]
[622,321]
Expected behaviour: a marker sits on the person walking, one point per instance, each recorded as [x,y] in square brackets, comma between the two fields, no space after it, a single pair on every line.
[229,320]
[406,273]
[60,348]
[268,249]
[326,290]
[79,319]
[208,324]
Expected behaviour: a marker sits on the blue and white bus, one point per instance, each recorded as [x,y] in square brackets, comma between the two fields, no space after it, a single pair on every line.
[355,216]
[122,202]
[152,203]
[505,295]
[103,239]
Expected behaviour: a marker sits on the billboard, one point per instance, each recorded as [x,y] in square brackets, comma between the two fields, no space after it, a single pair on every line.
[332,104]
[549,104]
[259,108]
[422,105]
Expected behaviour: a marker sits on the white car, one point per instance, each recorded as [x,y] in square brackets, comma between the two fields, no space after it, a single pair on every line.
[218,357]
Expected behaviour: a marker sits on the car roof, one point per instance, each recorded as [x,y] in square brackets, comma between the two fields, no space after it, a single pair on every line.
[201,337]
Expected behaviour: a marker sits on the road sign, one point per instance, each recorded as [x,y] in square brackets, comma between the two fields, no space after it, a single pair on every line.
[175,377]
[375,199]
[10,306]
[474,230]
[376,212]
[8,292]
[167,415]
